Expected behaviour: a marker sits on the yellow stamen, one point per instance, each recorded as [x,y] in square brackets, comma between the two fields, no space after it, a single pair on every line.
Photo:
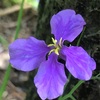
[54,41]
[50,45]
[51,51]
[56,51]
[56,46]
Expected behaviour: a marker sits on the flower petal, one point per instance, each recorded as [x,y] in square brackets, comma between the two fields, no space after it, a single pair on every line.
[67,24]
[27,54]
[78,62]
[51,78]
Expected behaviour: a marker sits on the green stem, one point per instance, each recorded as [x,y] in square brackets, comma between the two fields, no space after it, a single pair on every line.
[78,42]
[69,95]
[3,41]
[69,76]
[96,77]
[5,80]
[7,73]
[72,97]
[19,20]
[72,91]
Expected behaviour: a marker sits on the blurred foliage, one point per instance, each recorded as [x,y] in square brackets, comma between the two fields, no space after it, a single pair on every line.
[8,3]
[3,41]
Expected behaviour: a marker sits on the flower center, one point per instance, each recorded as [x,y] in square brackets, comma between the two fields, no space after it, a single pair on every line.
[56,46]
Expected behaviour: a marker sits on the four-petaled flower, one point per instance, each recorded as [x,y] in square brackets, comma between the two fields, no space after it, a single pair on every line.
[28,54]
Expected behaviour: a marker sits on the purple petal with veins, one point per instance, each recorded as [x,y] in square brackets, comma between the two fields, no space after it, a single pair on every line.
[27,54]
[67,24]
[78,62]
[50,78]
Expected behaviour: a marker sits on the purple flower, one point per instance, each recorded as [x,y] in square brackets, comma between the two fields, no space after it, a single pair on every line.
[28,54]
